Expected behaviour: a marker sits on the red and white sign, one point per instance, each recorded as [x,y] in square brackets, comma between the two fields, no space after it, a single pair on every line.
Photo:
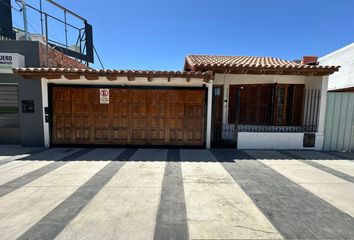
[104,96]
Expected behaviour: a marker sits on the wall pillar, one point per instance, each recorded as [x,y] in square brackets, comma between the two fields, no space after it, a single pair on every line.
[322,114]
[44,85]
[209,113]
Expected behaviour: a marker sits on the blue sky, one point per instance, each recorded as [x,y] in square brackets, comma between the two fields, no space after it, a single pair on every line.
[157,34]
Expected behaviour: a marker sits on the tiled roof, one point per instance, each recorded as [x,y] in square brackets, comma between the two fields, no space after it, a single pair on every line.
[219,63]
[110,72]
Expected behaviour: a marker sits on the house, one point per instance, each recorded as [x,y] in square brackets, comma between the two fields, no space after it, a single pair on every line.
[264,102]
[221,101]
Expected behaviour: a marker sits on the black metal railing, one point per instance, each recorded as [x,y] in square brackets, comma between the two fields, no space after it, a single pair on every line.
[311,107]
[71,36]
[265,128]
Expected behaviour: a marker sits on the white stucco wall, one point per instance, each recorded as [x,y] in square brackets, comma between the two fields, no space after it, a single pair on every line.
[138,81]
[343,57]
[262,140]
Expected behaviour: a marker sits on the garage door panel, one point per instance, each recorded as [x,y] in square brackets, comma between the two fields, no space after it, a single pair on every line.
[157,135]
[139,122]
[132,117]
[63,133]
[58,94]
[62,121]
[99,122]
[102,134]
[139,136]
[101,109]
[176,135]
[200,110]
[63,107]
[81,107]
[82,134]
[120,108]
[157,122]
[80,95]
[121,135]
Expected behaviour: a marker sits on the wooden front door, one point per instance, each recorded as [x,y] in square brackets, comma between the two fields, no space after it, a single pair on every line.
[132,117]
[217,112]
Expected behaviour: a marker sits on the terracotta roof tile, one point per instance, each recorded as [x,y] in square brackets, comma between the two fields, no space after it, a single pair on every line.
[213,63]
[110,72]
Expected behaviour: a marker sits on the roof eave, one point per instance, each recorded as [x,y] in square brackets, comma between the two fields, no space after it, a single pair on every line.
[274,70]
[73,73]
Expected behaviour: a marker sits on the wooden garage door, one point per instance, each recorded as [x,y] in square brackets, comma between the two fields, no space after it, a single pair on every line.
[132,117]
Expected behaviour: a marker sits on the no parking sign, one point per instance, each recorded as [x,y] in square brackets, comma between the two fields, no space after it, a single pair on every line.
[104,96]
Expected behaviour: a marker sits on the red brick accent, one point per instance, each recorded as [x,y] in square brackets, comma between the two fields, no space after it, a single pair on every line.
[309,60]
[57,59]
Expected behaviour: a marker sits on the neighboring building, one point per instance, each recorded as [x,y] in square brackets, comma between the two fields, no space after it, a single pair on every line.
[251,102]
[21,108]
[339,127]
[342,80]
[21,118]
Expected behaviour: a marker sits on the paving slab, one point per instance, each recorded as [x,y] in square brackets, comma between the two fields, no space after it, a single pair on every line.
[196,155]
[286,204]
[336,191]
[150,155]
[23,207]
[101,154]
[49,226]
[311,155]
[343,166]
[19,168]
[64,155]
[125,208]
[7,159]
[217,208]
[171,219]
[266,154]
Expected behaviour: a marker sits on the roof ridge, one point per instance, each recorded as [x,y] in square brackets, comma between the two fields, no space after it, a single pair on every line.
[235,56]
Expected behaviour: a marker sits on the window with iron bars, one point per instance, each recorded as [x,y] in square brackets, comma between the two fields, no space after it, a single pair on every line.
[273,108]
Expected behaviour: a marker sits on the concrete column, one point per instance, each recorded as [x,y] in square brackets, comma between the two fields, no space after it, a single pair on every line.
[44,85]
[209,113]
[322,114]
[225,104]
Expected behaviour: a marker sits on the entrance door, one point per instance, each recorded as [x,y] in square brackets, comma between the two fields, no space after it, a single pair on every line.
[224,135]
[132,116]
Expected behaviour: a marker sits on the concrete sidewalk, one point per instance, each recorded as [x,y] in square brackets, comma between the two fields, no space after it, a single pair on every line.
[113,193]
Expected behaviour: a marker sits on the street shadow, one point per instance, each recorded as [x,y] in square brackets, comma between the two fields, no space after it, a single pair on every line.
[179,155]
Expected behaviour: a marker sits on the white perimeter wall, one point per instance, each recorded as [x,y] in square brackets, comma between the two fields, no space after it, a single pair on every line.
[343,57]
[261,140]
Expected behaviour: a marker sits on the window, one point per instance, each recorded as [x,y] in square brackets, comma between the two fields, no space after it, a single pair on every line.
[266,104]
[288,104]
[8,105]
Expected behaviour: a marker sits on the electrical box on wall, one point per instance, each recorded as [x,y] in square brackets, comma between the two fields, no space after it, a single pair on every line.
[309,140]
[27,106]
